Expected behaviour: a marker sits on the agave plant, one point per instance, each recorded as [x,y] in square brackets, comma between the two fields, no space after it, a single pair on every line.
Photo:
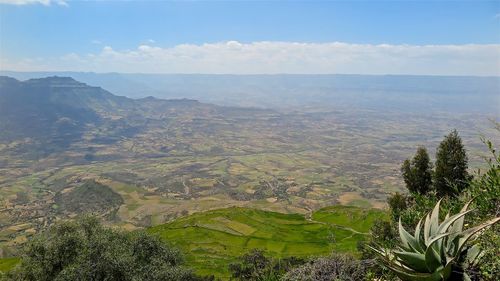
[435,249]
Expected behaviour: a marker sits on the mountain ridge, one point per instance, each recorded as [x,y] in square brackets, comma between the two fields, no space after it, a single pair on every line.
[58,111]
[414,93]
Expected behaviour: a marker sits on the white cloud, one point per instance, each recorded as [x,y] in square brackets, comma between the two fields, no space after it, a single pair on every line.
[281,57]
[27,2]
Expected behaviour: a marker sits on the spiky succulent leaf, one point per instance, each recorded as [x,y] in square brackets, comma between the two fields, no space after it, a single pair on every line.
[418,230]
[473,254]
[409,242]
[434,220]
[431,223]
[462,238]
[433,253]
[467,277]
[457,227]
[412,260]
[432,259]
[440,274]
[436,239]
[427,227]
[443,227]
[443,244]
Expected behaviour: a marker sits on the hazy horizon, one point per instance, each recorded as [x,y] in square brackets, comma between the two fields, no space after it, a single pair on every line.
[5,72]
[430,38]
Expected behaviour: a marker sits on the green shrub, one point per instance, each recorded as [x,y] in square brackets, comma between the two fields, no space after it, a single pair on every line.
[336,267]
[85,250]
[486,187]
[397,204]
[255,266]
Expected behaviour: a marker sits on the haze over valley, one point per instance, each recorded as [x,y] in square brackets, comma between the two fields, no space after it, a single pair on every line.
[164,158]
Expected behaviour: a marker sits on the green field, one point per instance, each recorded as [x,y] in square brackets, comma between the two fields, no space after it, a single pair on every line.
[211,240]
[7,264]
[350,217]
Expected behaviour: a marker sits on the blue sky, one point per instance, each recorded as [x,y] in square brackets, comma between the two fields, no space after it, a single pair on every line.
[61,35]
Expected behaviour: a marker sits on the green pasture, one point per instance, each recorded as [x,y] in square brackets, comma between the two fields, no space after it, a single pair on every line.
[7,264]
[211,240]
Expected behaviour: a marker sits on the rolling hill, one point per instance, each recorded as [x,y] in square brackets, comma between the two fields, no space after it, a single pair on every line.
[211,240]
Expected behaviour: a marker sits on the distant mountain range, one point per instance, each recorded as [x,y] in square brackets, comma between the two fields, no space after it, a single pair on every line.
[43,107]
[55,112]
[395,92]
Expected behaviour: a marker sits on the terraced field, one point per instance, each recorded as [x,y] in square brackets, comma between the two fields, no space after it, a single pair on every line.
[211,240]
[349,217]
[7,264]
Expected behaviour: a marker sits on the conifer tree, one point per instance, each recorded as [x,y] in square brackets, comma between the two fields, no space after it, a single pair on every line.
[451,176]
[417,173]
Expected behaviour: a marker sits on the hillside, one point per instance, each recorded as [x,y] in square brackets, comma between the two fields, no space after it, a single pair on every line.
[43,109]
[211,240]
[89,197]
[49,115]
[164,158]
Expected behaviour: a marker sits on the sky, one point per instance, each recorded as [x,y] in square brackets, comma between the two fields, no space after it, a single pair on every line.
[249,37]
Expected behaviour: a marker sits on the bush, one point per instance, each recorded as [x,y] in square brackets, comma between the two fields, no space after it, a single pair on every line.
[397,204]
[255,266]
[85,250]
[336,267]
[485,188]
[488,267]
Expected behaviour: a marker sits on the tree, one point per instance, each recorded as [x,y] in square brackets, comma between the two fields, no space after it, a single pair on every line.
[85,250]
[451,176]
[397,204]
[417,173]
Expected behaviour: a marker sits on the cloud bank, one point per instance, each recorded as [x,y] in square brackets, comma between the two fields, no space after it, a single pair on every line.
[279,57]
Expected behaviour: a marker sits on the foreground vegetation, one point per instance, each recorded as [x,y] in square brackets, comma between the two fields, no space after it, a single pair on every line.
[440,248]
[85,250]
